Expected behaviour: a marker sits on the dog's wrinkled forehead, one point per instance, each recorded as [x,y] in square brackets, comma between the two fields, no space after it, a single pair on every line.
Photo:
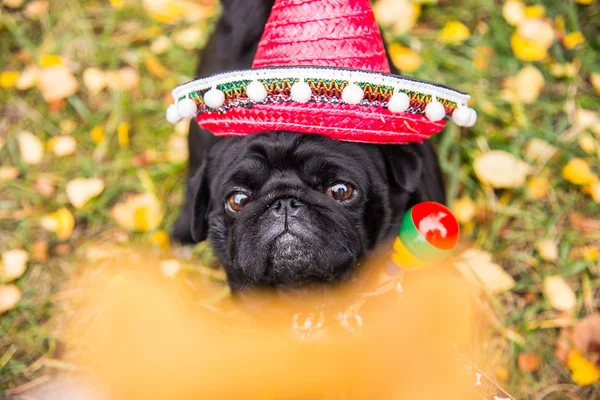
[315,161]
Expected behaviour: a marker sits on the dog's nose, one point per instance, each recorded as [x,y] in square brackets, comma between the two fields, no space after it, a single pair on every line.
[286,207]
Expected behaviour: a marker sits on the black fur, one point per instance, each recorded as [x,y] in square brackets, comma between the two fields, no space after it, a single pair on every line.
[291,232]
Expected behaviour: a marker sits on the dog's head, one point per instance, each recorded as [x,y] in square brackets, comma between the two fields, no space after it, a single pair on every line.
[290,209]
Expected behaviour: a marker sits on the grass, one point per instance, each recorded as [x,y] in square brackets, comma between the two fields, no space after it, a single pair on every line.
[507,223]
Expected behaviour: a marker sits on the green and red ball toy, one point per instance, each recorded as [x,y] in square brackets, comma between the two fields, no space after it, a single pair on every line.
[428,234]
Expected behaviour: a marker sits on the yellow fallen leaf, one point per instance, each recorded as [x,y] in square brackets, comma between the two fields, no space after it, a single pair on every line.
[164,11]
[128,78]
[513,12]
[8,173]
[117,4]
[170,268]
[583,372]
[573,40]
[537,187]
[585,2]
[61,222]
[97,134]
[578,172]
[123,134]
[177,149]
[49,60]
[10,295]
[155,67]
[28,78]
[400,15]
[189,38]
[57,82]
[595,81]
[525,49]
[526,86]
[593,190]
[559,294]
[500,169]
[536,11]
[160,238]
[31,148]
[67,126]
[538,30]
[160,45]
[548,249]
[14,264]
[464,210]
[539,151]
[140,212]
[588,144]
[94,80]
[81,190]
[404,58]
[586,119]
[8,79]
[478,269]
[454,33]
[62,146]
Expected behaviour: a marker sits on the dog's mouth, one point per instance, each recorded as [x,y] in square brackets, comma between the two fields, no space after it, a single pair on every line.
[290,258]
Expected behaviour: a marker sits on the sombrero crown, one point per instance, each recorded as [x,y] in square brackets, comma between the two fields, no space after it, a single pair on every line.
[321,68]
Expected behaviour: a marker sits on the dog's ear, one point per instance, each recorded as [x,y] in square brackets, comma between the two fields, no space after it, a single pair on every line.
[404,165]
[199,199]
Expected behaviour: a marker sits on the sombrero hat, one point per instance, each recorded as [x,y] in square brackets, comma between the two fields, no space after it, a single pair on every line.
[321,68]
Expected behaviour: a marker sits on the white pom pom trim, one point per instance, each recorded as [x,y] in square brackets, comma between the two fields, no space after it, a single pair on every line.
[301,92]
[399,102]
[352,94]
[461,115]
[214,98]
[472,118]
[187,108]
[173,115]
[256,91]
[435,110]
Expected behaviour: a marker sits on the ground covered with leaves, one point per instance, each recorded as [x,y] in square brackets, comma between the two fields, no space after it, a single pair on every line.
[87,160]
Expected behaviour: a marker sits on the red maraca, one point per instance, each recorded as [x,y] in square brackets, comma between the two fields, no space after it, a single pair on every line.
[428,234]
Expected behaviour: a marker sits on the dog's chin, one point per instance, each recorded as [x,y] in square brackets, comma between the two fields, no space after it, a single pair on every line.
[290,260]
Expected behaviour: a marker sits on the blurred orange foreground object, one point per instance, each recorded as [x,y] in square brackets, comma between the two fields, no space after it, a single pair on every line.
[144,338]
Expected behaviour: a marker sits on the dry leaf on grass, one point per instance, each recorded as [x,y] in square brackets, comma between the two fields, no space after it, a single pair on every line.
[454,33]
[10,295]
[464,210]
[94,80]
[36,8]
[161,239]
[81,190]
[478,268]
[539,30]
[586,337]
[404,59]
[583,372]
[584,224]
[537,187]
[62,146]
[539,151]
[57,82]
[8,173]
[44,185]
[61,222]
[559,294]
[500,169]
[528,362]
[189,38]
[400,15]
[13,3]
[28,78]
[39,250]
[526,86]
[578,172]
[139,212]
[548,249]
[31,148]
[513,12]
[14,264]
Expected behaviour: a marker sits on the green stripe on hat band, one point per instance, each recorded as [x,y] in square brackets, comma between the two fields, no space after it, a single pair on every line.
[417,244]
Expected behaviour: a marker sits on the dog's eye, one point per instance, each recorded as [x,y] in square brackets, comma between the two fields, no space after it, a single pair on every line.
[341,191]
[237,201]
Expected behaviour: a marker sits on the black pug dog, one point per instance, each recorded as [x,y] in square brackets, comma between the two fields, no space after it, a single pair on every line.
[284,209]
